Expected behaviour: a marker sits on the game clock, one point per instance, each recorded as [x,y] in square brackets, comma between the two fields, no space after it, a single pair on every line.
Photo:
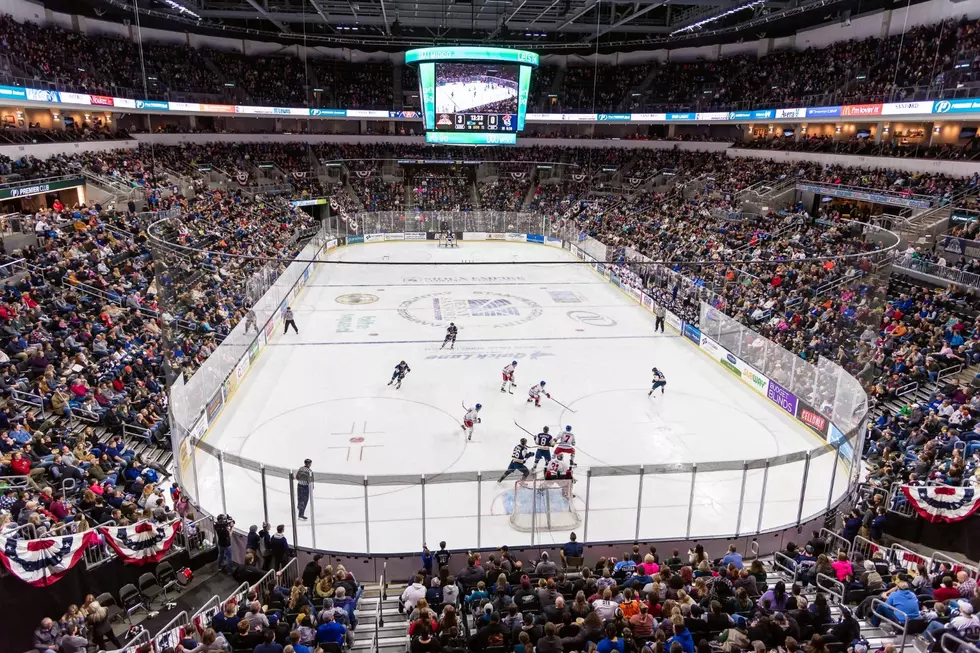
[480,122]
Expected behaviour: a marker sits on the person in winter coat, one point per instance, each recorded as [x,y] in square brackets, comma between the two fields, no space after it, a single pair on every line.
[683,637]
[412,594]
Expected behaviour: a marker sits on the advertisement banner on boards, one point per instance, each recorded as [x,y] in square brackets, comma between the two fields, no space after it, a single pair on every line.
[253,351]
[782,397]
[332,244]
[515,237]
[373,238]
[673,321]
[355,240]
[214,405]
[74,98]
[812,418]
[535,238]
[415,235]
[398,236]
[270,326]
[475,235]
[493,236]
[633,292]
[554,241]
[692,333]
[646,301]
[758,382]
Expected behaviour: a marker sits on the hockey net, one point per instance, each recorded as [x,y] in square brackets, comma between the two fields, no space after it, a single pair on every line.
[443,241]
[541,505]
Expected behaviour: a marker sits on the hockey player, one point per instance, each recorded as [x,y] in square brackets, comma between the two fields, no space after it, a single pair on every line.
[400,371]
[557,469]
[566,444]
[450,336]
[534,394]
[543,442]
[471,417]
[517,459]
[450,239]
[658,382]
[509,377]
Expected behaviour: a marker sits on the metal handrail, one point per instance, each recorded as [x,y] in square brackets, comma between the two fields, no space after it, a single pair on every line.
[831,586]
[830,536]
[955,565]
[872,189]
[906,557]
[792,569]
[959,644]
[170,635]
[902,627]
[202,618]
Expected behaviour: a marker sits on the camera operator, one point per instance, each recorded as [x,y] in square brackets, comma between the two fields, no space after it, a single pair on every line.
[223,527]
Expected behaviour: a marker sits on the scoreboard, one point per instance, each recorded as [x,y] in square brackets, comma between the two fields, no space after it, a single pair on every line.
[477,122]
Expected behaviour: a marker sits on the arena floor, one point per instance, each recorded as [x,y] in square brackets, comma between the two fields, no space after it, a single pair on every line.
[322,394]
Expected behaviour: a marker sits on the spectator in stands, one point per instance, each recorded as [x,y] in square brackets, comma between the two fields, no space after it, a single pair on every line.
[279,547]
[733,557]
[268,645]
[545,566]
[330,632]
[47,636]
[900,605]
[411,594]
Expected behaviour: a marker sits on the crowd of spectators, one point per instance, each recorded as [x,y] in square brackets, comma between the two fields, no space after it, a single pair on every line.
[870,70]
[966,150]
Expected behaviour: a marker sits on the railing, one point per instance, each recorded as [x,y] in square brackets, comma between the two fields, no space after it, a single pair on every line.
[202,618]
[953,643]
[100,553]
[834,541]
[949,371]
[939,271]
[897,503]
[955,565]
[198,536]
[831,586]
[878,606]
[905,557]
[8,270]
[137,643]
[896,194]
[238,596]
[170,635]
[866,547]
[785,564]
[28,399]
[288,574]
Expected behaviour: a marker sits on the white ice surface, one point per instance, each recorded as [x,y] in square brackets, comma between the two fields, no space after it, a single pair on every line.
[458,97]
[322,394]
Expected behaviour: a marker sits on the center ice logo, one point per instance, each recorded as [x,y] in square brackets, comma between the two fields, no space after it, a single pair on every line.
[499,309]
[492,307]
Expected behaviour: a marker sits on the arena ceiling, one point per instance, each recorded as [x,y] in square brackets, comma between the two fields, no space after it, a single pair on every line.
[536,24]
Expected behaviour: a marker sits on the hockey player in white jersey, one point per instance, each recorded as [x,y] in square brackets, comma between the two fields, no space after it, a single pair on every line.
[543,443]
[557,469]
[508,375]
[566,444]
[534,394]
[518,458]
[471,418]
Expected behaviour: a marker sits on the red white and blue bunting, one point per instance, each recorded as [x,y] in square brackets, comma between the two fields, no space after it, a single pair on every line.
[142,543]
[44,561]
[942,503]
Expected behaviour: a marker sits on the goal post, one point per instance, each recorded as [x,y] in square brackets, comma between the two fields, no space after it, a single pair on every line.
[542,505]
[443,241]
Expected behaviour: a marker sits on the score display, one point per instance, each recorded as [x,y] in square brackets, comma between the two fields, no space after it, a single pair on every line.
[473,90]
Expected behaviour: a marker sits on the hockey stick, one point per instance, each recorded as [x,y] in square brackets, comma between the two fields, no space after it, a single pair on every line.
[561,404]
[523,429]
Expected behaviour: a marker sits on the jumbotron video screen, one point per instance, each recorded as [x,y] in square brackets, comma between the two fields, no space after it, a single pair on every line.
[473,95]
[476,97]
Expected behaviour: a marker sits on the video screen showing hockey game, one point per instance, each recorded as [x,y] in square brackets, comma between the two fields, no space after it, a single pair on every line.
[477,96]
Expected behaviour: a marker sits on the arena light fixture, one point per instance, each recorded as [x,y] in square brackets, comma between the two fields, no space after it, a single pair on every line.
[181,9]
[711,19]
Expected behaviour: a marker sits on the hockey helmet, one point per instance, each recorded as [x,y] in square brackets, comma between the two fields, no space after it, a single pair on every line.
[545,429]
[479,406]
[542,383]
[513,362]
[568,428]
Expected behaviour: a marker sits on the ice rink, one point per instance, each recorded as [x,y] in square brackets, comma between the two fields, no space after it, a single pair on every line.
[457,97]
[322,394]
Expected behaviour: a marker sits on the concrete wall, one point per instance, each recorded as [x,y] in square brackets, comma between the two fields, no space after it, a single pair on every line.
[45,150]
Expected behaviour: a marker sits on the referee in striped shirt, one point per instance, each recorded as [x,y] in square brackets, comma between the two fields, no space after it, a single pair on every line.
[304,483]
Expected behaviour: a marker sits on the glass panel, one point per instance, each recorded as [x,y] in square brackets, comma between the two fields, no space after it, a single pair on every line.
[452,508]
[396,517]
[496,506]
[339,518]
[612,507]
[782,495]
[664,509]
[715,509]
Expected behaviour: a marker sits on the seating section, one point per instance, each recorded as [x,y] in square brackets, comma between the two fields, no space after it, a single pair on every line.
[845,72]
